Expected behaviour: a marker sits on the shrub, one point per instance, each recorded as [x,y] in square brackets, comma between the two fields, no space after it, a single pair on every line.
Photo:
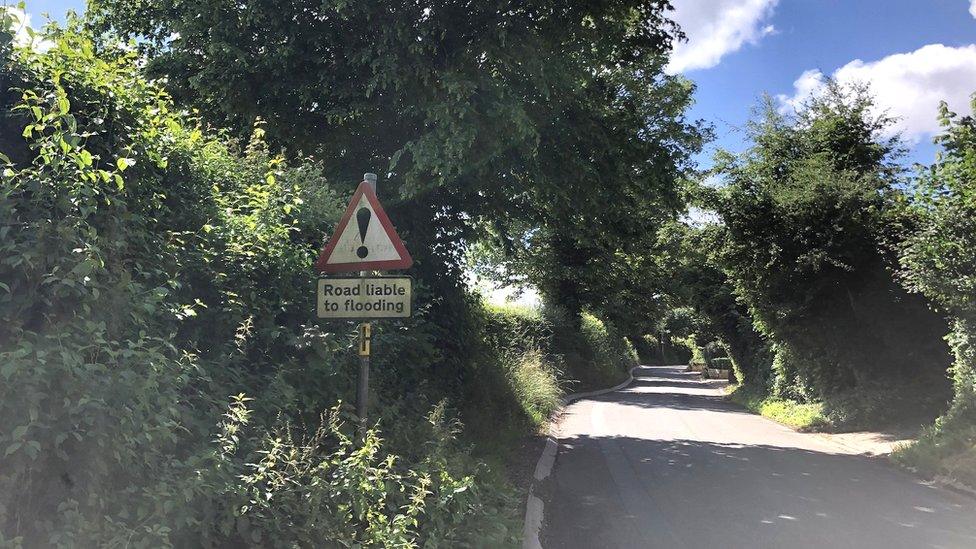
[523,339]
[939,261]
[536,383]
[721,363]
[697,280]
[608,355]
[148,271]
[808,216]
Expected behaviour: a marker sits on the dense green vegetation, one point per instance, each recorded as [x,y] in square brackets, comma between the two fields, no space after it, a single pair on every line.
[833,276]
[799,281]
[939,261]
[800,415]
[164,380]
[169,175]
[542,134]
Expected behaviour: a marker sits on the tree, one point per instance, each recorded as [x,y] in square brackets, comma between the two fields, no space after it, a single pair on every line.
[696,279]
[939,260]
[147,271]
[809,212]
[548,127]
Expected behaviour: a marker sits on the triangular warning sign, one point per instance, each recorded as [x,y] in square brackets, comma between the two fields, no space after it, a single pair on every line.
[364,240]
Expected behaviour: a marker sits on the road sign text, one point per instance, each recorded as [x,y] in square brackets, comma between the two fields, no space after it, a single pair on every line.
[362,298]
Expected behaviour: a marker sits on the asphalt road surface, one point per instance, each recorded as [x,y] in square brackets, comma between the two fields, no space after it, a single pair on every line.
[666,462]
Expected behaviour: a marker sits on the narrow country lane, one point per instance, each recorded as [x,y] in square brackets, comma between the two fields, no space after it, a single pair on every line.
[666,462]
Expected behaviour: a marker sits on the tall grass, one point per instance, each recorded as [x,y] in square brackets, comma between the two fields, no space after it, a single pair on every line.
[535,381]
[947,449]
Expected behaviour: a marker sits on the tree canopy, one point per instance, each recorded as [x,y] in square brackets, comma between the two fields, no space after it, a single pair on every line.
[547,128]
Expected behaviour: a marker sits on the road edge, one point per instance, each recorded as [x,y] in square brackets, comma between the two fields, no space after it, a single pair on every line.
[943,482]
[534,507]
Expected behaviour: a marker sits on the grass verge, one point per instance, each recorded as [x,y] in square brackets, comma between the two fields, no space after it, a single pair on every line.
[947,449]
[806,417]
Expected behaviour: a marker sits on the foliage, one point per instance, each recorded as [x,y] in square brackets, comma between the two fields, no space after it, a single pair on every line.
[939,261]
[692,278]
[721,363]
[601,357]
[536,383]
[788,412]
[329,487]
[148,271]
[808,214]
[523,343]
[545,355]
[545,135]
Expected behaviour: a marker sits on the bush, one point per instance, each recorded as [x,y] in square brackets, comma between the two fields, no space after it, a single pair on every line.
[149,271]
[536,383]
[721,363]
[604,355]
[698,281]
[809,214]
[939,261]
[786,411]
[524,340]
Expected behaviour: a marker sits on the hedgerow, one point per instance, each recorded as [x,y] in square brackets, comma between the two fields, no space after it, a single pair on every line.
[150,271]
[939,261]
[811,214]
[164,382]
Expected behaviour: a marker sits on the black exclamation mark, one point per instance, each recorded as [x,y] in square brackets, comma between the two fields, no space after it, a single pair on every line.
[362,217]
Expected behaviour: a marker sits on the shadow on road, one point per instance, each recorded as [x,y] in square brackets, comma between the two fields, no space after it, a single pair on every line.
[628,492]
[642,489]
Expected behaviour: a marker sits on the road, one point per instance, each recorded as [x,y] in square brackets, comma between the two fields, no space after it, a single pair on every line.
[666,462]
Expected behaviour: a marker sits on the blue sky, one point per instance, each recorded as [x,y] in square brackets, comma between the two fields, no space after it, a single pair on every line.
[912,53]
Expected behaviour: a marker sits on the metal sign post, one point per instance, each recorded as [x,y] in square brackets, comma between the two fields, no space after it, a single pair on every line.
[362,385]
[365,329]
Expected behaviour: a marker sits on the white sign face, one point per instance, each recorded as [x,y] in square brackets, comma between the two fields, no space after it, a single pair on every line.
[364,298]
[364,239]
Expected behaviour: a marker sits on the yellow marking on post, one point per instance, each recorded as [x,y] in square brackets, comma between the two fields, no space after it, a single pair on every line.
[365,330]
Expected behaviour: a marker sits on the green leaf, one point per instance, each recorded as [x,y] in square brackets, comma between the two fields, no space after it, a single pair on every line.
[123,163]
[8,369]
[84,268]
[33,448]
[86,157]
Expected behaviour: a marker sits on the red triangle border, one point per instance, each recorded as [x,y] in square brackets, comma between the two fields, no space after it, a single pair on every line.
[405,260]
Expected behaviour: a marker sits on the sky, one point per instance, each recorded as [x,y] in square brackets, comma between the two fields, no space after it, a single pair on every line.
[912,54]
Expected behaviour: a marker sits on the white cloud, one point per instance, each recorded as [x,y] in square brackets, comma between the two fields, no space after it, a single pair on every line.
[972,7]
[908,86]
[716,28]
[20,26]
